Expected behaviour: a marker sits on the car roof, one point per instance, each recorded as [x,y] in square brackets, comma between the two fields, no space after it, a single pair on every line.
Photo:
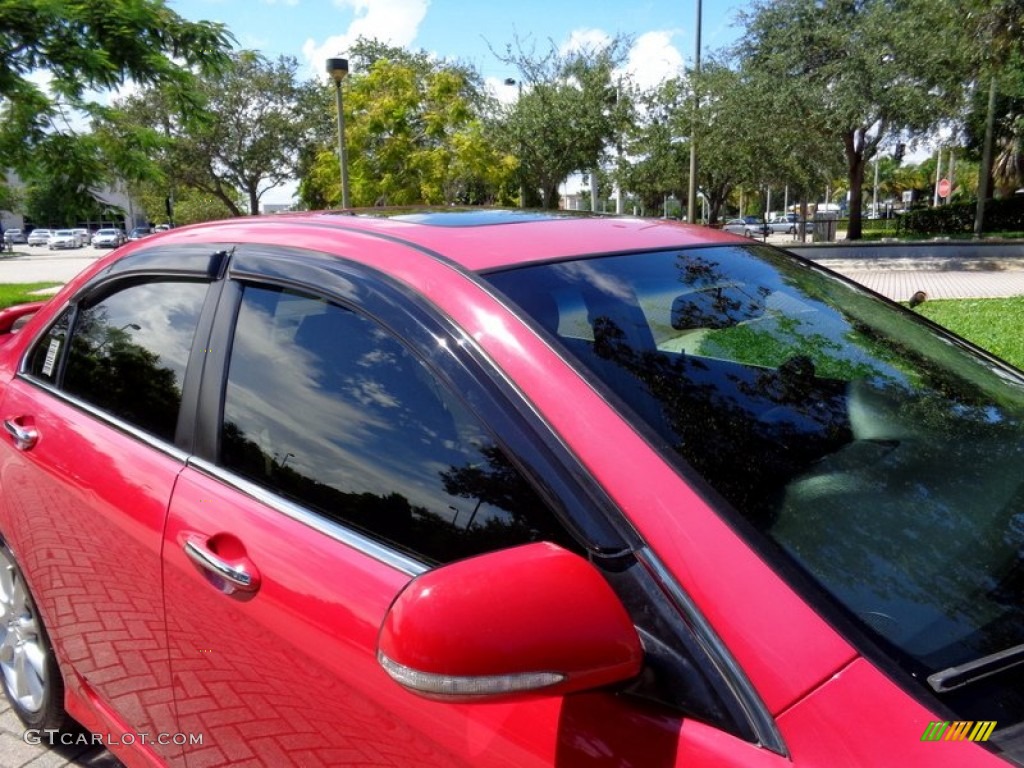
[476,239]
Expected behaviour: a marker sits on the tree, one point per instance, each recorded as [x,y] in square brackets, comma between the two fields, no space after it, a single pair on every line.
[737,151]
[190,206]
[415,133]
[657,158]
[570,111]
[1007,125]
[87,48]
[860,72]
[60,182]
[9,197]
[245,136]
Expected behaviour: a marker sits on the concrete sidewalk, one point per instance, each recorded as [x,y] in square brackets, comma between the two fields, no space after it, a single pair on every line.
[901,285]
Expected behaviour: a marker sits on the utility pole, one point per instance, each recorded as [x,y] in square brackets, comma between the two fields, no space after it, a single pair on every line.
[691,211]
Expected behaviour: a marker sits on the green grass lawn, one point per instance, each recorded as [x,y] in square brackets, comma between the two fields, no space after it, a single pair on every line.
[994,324]
[20,293]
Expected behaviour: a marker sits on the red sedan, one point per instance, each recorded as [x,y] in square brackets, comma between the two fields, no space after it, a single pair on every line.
[490,488]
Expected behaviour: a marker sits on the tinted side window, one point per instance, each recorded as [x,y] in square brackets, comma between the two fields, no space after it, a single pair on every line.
[128,352]
[325,407]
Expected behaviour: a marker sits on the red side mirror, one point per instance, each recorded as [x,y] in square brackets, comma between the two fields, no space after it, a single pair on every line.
[528,620]
[10,317]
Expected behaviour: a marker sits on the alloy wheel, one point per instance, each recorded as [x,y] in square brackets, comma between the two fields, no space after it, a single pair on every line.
[23,649]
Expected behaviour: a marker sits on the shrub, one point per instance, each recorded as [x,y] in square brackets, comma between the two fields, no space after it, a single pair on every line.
[1005,214]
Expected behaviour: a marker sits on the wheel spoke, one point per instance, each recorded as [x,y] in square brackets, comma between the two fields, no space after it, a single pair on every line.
[6,582]
[7,643]
[28,682]
[19,597]
[23,655]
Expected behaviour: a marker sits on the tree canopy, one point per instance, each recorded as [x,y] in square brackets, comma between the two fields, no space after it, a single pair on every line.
[572,108]
[415,133]
[859,73]
[87,49]
[83,50]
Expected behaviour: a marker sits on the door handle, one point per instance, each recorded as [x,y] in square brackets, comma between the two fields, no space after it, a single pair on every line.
[24,437]
[238,579]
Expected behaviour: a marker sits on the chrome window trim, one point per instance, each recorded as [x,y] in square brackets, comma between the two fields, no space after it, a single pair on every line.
[333,530]
[758,715]
[109,419]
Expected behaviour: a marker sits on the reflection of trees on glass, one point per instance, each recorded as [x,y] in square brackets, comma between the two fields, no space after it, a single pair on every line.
[515,514]
[745,429]
[525,517]
[107,369]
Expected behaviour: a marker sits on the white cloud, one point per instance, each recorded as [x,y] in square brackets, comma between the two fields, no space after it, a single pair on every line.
[395,22]
[506,94]
[585,40]
[653,59]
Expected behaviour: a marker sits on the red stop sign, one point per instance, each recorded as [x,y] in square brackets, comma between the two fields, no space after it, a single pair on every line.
[944,188]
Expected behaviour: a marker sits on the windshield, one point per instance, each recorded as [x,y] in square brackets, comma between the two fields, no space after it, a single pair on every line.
[882,458]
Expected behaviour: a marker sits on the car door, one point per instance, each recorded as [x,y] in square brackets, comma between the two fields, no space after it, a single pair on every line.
[341,450]
[89,461]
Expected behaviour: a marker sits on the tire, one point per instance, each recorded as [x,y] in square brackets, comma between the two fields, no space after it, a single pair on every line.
[28,666]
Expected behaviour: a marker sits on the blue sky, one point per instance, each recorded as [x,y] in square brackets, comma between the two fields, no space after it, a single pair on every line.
[312,30]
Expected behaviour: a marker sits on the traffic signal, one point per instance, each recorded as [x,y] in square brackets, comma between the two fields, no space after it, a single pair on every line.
[901,150]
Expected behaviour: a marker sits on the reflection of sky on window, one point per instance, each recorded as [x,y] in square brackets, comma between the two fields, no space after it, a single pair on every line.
[361,442]
[167,315]
[589,274]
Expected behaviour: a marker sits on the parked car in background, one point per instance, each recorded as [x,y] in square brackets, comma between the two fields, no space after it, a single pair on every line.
[84,236]
[783,225]
[740,227]
[15,236]
[108,238]
[63,239]
[39,237]
[501,488]
[759,225]
[139,232]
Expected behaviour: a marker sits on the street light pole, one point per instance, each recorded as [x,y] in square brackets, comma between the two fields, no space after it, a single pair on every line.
[519,95]
[691,211]
[338,69]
